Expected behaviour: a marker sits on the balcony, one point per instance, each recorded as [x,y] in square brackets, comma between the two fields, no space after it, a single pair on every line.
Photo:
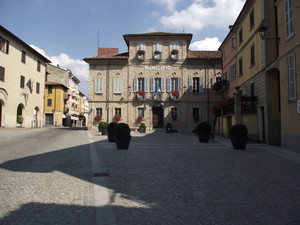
[140,55]
[139,97]
[157,55]
[221,86]
[174,96]
[157,97]
[174,54]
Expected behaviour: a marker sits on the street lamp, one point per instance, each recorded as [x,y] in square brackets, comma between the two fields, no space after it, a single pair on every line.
[262,33]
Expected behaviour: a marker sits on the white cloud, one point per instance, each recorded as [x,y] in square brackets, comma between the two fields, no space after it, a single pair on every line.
[204,13]
[78,67]
[170,4]
[208,44]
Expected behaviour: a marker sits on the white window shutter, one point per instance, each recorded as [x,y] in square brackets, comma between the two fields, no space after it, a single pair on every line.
[98,85]
[135,85]
[168,84]
[152,83]
[190,84]
[201,85]
[179,84]
[117,85]
[146,84]
[162,88]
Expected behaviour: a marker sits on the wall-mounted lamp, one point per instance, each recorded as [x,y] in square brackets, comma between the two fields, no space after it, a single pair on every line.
[262,33]
[129,89]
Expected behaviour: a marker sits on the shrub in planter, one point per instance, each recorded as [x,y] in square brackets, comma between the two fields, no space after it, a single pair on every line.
[169,128]
[239,135]
[103,127]
[20,119]
[203,131]
[110,131]
[142,128]
[122,135]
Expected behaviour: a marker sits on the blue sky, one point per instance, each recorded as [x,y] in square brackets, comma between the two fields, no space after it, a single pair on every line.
[66,31]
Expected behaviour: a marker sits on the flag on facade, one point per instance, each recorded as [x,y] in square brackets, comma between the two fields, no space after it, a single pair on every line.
[156,89]
[29,85]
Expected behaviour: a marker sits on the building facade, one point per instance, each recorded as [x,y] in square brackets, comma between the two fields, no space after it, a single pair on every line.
[22,81]
[72,98]
[55,102]
[158,81]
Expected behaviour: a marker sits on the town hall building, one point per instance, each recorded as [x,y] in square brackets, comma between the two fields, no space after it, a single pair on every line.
[158,81]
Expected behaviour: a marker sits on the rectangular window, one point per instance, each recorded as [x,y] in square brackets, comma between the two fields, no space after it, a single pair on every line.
[49,102]
[49,119]
[232,71]
[251,18]
[233,42]
[174,113]
[99,111]
[224,53]
[117,85]
[49,90]
[4,45]
[141,112]
[241,35]
[141,47]
[37,87]
[141,84]
[196,114]
[98,85]
[2,73]
[22,81]
[289,18]
[241,67]
[196,85]
[252,56]
[174,84]
[38,66]
[157,85]
[118,111]
[23,59]
[292,77]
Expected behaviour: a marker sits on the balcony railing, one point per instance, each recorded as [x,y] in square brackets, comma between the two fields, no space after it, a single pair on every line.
[140,97]
[157,97]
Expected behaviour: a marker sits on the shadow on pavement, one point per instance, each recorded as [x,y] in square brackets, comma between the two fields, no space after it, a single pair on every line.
[171,179]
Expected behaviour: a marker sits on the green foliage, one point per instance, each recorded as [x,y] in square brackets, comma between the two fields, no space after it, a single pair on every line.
[122,129]
[204,127]
[111,126]
[238,129]
[20,119]
[103,124]
[142,125]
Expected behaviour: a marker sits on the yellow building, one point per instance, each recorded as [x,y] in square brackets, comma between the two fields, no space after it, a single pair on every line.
[22,81]
[55,101]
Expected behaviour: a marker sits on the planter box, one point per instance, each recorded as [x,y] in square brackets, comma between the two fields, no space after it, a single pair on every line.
[142,129]
[122,142]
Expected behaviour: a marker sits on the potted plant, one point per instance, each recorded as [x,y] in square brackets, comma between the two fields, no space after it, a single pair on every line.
[122,135]
[175,94]
[169,128]
[20,119]
[239,135]
[103,127]
[117,118]
[203,131]
[141,92]
[142,128]
[97,118]
[110,131]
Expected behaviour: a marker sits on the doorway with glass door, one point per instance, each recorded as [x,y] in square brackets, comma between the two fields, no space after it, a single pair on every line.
[158,117]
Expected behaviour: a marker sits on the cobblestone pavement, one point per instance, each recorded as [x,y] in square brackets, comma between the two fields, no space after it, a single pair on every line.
[173,179]
[45,177]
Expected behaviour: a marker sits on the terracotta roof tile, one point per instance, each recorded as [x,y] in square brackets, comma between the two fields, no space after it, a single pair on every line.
[204,54]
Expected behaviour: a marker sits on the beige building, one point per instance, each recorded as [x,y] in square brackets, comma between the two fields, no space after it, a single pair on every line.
[158,79]
[72,98]
[22,82]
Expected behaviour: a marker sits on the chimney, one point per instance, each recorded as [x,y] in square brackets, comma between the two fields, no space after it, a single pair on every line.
[107,51]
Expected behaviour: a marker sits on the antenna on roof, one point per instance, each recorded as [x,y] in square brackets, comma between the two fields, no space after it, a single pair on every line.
[98,37]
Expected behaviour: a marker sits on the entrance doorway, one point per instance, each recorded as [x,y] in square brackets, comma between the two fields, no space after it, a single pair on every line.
[158,117]
[0,112]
